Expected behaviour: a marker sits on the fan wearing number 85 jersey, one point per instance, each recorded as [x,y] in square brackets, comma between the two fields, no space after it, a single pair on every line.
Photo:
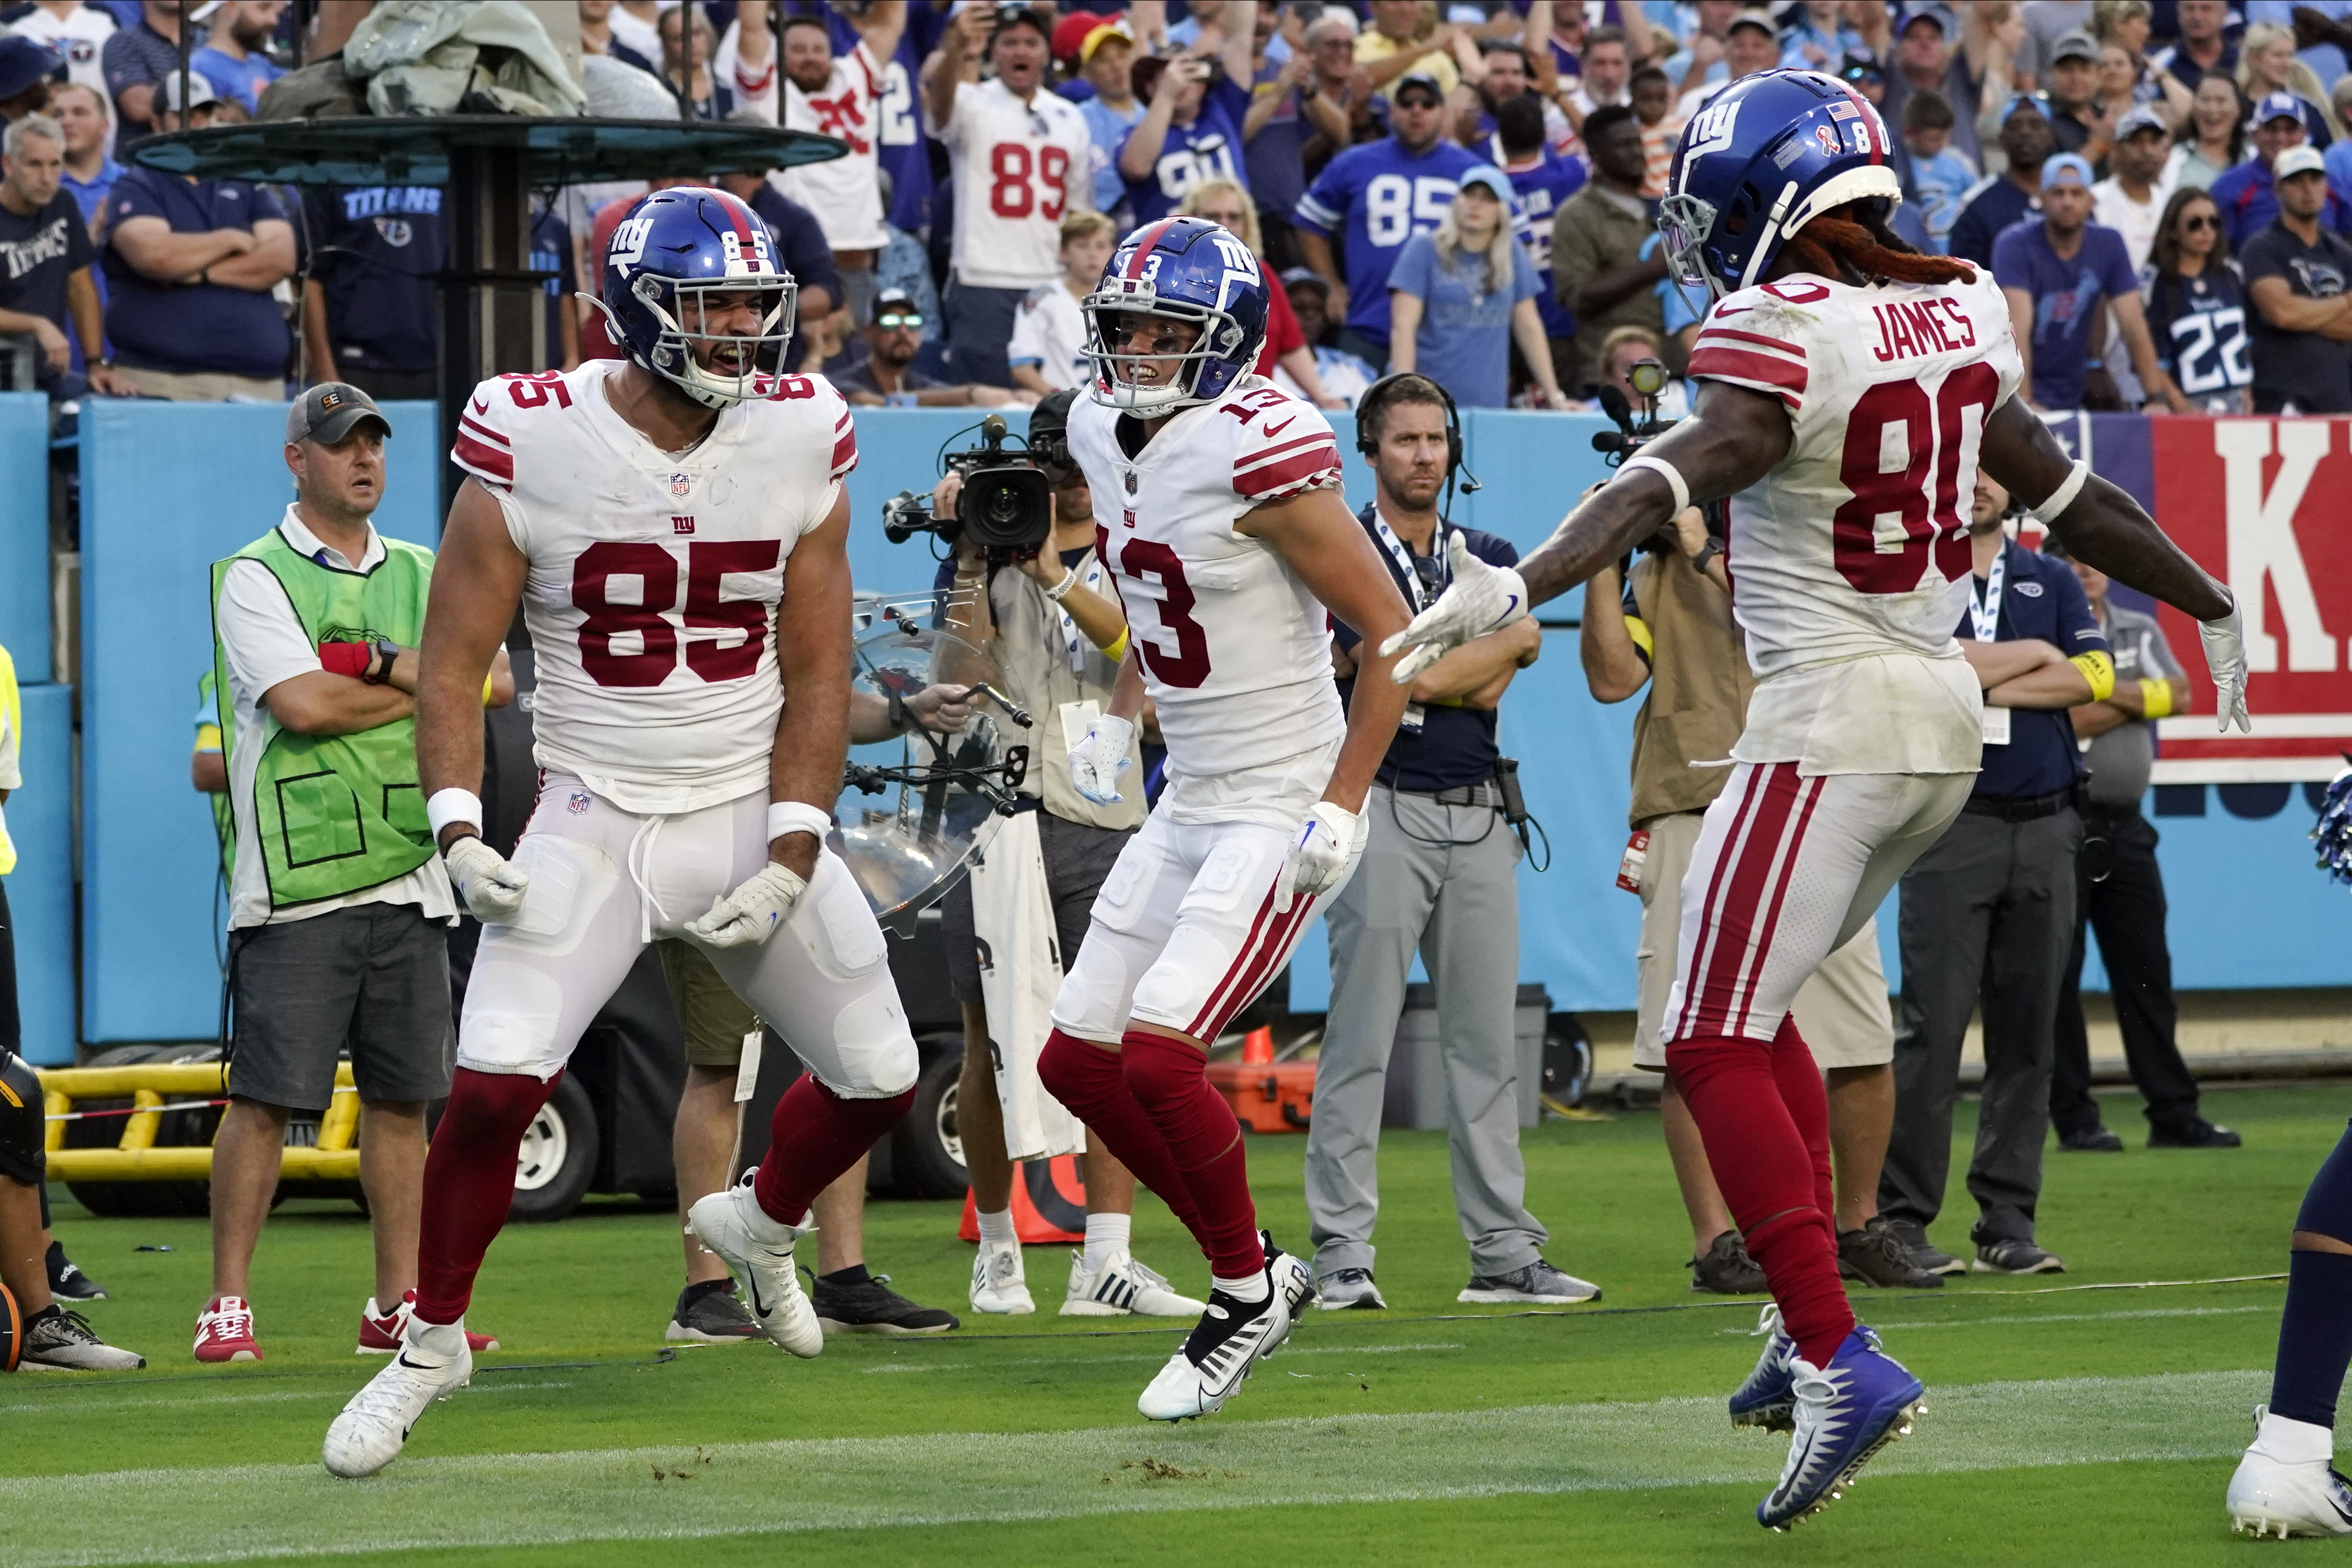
[674,528]
[1849,390]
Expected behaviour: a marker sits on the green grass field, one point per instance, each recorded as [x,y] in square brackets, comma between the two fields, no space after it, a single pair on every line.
[2069,1420]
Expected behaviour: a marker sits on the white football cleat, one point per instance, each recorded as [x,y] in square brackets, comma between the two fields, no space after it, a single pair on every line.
[759,1250]
[2286,1484]
[1123,1286]
[433,1362]
[1231,1338]
[1000,1283]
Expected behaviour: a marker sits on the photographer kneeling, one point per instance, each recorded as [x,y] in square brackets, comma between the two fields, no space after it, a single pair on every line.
[1058,632]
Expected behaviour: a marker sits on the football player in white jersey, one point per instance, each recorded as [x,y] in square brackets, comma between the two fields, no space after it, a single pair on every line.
[1221,523]
[674,528]
[1849,390]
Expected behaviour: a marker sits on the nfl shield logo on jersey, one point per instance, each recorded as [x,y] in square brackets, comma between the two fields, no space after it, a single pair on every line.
[578,804]
[679,484]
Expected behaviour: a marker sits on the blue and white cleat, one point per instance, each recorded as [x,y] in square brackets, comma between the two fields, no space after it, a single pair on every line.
[2287,1481]
[1846,1412]
[1768,1397]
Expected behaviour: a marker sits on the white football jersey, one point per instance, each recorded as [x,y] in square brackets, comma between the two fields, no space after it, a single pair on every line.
[1236,651]
[1857,542]
[655,576]
[844,193]
[1018,168]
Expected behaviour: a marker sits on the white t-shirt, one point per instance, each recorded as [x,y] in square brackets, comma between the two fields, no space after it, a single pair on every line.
[2135,220]
[754,91]
[642,36]
[1018,168]
[655,576]
[1049,332]
[265,643]
[845,193]
[79,36]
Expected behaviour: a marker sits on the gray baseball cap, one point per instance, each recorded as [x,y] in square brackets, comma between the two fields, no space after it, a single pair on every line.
[326,412]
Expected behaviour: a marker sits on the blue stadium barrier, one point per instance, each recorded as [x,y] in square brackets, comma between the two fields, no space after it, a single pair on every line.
[25,534]
[168,489]
[41,890]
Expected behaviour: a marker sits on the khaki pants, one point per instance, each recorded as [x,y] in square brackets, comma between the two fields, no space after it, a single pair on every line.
[205,387]
[1841,1012]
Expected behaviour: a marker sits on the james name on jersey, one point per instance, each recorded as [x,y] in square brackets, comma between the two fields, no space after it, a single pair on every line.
[654,576]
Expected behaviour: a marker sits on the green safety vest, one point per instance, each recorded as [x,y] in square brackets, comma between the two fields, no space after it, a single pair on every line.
[335,813]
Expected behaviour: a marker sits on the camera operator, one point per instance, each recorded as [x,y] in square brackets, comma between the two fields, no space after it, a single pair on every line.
[1058,632]
[1439,875]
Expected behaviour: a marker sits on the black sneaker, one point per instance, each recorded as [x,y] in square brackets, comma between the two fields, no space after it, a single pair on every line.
[69,1283]
[1537,1284]
[1726,1269]
[2092,1140]
[1874,1254]
[2016,1256]
[870,1306]
[59,1341]
[1925,1254]
[709,1312]
[2198,1133]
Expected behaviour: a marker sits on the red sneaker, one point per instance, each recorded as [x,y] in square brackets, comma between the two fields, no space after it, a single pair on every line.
[225,1330]
[381,1332]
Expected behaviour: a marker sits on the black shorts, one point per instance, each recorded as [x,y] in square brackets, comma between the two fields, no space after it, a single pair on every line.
[21,1156]
[1078,859]
[373,977]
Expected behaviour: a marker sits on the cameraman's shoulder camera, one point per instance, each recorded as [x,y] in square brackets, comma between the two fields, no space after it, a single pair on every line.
[1006,502]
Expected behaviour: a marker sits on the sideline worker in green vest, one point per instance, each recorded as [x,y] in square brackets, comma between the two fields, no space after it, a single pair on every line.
[338,904]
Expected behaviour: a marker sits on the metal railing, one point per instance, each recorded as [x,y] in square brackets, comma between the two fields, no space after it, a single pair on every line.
[156,1091]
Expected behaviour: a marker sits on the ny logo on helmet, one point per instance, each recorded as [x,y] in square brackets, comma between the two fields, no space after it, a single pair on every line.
[629,241]
[1710,130]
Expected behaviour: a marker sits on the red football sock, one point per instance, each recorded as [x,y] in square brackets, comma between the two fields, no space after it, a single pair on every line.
[1168,1078]
[1089,1080]
[1768,1180]
[469,1183]
[1802,1090]
[815,1135]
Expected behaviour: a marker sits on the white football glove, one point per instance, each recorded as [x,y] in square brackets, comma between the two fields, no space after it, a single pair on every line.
[2225,658]
[1100,756]
[1480,599]
[491,884]
[1328,845]
[749,915]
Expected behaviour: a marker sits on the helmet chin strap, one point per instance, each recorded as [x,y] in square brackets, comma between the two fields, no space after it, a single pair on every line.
[1757,257]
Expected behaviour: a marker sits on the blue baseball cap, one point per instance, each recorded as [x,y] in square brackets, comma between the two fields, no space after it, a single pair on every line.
[2039,102]
[2279,105]
[24,62]
[1492,178]
[2071,164]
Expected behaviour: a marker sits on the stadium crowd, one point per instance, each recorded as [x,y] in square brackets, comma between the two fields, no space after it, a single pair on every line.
[2162,189]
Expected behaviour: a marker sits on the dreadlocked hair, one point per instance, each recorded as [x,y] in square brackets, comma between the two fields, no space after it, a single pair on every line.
[1860,239]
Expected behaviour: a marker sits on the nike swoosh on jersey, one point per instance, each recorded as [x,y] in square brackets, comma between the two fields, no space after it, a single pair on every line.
[1274,430]
[480,407]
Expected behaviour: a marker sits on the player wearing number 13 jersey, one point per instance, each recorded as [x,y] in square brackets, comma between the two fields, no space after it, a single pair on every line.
[1221,523]
[674,528]
[1849,390]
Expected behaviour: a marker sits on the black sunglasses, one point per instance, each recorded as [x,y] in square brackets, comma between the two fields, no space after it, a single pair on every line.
[2200,221]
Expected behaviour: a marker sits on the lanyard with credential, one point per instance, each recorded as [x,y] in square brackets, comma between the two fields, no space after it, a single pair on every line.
[1984,617]
[1402,556]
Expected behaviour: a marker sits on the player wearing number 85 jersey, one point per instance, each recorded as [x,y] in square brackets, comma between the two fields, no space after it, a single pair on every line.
[1849,389]
[1223,526]
[674,528]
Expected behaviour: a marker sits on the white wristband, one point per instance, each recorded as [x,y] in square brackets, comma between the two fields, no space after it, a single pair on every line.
[448,806]
[1061,590]
[796,817]
[1663,470]
[2063,495]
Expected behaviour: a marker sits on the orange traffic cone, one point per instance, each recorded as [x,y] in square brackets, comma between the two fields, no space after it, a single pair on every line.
[1049,1203]
[1257,1046]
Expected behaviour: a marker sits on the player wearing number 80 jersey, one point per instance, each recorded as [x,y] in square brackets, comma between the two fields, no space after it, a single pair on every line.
[1848,391]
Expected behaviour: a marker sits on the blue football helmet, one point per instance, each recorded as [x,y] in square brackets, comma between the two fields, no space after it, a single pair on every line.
[1762,158]
[1189,269]
[675,249]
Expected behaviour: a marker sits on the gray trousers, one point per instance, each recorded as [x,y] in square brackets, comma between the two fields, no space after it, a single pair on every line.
[1988,911]
[1456,900]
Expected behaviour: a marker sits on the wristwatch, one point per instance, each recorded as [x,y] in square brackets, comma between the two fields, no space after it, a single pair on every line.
[386,651]
[1707,552]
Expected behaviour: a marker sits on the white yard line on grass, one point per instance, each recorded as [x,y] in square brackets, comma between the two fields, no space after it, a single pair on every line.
[740,1488]
[2002,1322]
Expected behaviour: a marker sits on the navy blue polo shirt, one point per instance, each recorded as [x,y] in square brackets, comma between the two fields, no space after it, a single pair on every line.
[1455,745]
[2040,599]
[191,328]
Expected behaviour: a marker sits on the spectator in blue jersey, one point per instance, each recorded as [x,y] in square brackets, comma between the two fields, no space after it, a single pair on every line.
[234,57]
[1460,297]
[2248,194]
[2059,274]
[2197,306]
[1543,184]
[1285,113]
[1940,173]
[2015,194]
[1374,198]
[370,315]
[1191,131]
[1105,56]
[190,264]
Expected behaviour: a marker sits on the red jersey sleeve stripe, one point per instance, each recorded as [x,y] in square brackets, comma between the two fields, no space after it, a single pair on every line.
[1301,471]
[1760,372]
[1266,454]
[469,422]
[845,454]
[1752,340]
[483,462]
